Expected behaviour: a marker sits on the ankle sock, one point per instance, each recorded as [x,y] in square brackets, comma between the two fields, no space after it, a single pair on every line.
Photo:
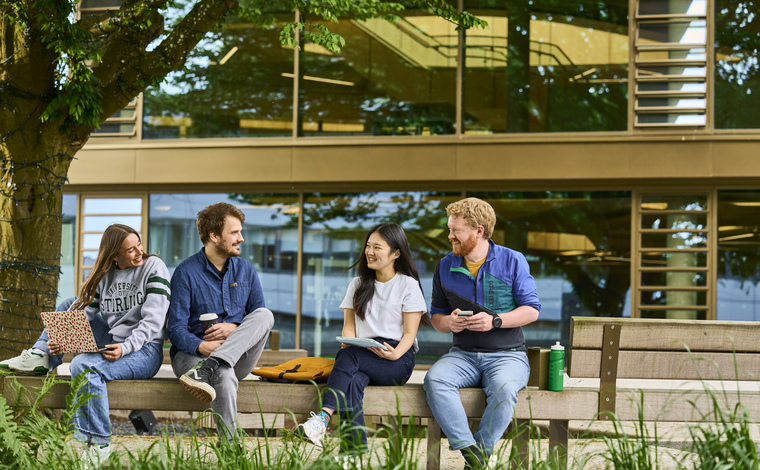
[325,416]
[214,362]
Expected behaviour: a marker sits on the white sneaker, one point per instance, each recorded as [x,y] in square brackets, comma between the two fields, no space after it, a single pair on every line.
[29,362]
[492,462]
[314,429]
[93,456]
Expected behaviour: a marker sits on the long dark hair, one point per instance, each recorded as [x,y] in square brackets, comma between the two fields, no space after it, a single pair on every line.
[395,237]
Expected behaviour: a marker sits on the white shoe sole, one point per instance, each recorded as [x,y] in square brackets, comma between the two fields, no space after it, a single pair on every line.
[201,391]
[39,370]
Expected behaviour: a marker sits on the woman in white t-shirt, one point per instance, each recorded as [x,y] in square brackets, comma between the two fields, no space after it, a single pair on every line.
[384,302]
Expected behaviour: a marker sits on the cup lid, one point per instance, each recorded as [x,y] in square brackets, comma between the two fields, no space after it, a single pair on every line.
[208,316]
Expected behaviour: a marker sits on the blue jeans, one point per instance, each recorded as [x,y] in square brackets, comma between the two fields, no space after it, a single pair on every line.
[91,423]
[354,369]
[501,374]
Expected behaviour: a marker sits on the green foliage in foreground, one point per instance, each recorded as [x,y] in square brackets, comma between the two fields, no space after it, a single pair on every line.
[30,439]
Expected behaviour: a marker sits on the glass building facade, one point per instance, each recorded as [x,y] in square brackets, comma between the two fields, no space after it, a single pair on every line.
[616,141]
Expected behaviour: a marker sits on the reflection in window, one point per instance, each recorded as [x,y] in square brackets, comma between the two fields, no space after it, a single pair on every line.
[271,243]
[67,282]
[391,79]
[334,230]
[97,215]
[737,72]
[738,255]
[532,70]
[233,85]
[578,246]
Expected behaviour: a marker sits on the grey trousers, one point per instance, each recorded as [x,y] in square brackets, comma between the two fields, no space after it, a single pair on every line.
[241,351]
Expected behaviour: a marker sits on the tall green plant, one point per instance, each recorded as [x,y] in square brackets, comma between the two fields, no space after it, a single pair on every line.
[29,439]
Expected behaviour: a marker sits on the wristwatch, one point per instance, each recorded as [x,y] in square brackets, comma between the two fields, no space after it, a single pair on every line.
[496,321]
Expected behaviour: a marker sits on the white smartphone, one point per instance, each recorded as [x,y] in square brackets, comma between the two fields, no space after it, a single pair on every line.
[464,313]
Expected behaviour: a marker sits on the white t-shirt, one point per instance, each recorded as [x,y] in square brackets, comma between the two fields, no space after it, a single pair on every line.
[385,315]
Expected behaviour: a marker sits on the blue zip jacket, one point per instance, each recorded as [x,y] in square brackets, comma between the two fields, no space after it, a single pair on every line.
[503,284]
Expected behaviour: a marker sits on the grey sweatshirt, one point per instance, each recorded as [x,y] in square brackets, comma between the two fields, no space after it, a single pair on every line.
[134,302]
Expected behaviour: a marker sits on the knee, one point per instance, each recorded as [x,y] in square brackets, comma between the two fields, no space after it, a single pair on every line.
[433,381]
[80,364]
[506,391]
[265,316]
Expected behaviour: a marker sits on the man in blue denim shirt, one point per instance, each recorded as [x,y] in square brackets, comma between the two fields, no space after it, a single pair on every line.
[211,363]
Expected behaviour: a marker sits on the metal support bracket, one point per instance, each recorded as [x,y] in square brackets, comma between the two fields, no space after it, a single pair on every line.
[608,370]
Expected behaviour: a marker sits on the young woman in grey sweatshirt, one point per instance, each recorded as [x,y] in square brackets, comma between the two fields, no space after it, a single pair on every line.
[126,297]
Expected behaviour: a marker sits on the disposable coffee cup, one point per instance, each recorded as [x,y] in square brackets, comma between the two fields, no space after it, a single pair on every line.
[208,320]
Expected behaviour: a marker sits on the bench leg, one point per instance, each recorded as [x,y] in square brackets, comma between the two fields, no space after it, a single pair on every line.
[558,433]
[520,443]
[433,445]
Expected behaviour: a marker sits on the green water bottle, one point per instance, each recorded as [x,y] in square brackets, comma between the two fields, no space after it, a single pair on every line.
[556,367]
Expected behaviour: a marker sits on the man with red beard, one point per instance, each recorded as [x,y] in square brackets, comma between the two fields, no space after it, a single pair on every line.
[211,361]
[484,294]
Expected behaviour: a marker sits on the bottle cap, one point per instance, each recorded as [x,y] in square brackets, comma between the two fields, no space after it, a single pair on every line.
[558,346]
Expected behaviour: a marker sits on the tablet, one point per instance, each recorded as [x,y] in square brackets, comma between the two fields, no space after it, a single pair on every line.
[361,342]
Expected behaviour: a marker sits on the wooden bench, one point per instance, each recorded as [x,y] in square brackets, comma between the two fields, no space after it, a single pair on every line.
[164,394]
[651,352]
[605,349]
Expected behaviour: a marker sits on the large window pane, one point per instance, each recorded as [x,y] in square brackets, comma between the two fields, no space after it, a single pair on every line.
[737,75]
[390,79]
[334,230]
[271,243]
[560,67]
[234,84]
[578,246]
[67,281]
[738,255]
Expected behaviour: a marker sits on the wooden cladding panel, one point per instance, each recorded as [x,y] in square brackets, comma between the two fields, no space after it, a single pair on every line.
[667,335]
[668,365]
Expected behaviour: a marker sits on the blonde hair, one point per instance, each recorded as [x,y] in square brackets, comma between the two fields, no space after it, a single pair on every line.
[110,244]
[475,212]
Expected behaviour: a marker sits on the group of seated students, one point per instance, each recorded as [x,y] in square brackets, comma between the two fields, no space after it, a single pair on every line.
[483,293]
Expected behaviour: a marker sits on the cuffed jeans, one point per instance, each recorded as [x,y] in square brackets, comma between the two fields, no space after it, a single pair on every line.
[501,374]
[240,352]
[354,369]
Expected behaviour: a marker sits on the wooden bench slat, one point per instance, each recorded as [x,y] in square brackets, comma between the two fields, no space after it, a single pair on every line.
[667,335]
[668,365]
[165,394]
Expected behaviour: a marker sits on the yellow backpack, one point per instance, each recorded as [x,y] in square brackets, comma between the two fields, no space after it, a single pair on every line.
[305,368]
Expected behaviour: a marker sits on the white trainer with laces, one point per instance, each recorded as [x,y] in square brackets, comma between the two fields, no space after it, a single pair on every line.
[492,462]
[314,429]
[29,362]
[93,456]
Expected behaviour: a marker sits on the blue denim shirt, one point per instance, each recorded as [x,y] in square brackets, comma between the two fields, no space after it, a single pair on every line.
[198,288]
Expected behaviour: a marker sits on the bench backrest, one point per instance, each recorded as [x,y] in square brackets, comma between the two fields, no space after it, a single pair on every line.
[664,349]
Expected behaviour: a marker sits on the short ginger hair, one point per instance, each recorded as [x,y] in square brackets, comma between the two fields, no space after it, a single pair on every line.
[475,212]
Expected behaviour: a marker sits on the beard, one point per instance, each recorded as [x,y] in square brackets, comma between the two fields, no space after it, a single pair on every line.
[465,247]
[227,250]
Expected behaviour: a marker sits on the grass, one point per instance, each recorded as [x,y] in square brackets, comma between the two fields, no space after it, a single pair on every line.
[721,439]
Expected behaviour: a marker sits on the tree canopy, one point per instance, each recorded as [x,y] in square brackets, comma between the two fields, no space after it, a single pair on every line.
[63,72]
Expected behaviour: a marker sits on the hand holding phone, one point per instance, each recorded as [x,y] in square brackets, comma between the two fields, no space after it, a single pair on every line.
[464,313]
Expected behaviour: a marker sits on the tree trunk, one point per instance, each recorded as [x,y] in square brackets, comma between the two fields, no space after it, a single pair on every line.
[32,175]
